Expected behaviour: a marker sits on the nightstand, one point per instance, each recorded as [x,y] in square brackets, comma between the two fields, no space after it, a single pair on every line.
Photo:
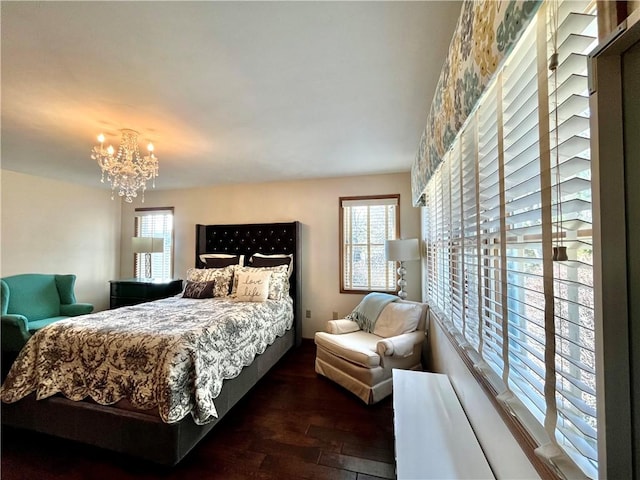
[132,291]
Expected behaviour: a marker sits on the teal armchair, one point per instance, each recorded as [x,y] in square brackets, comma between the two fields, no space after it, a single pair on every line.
[32,301]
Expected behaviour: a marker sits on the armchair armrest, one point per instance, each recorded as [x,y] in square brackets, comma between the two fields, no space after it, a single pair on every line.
[338,327]
[400,345]
[75,309]
[16,321]
[15,332]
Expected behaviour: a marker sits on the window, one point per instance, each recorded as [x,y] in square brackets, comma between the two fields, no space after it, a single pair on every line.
[503,197]
[365,224]
[157,223]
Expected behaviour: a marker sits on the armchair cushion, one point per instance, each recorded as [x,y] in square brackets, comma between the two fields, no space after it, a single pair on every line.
[398,318]
[75,309]
[357,347]
[38,324]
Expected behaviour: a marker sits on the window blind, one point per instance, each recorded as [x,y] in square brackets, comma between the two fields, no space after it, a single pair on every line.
[366,222]
[573,280]
[511,187]
[157,223]
[471,232]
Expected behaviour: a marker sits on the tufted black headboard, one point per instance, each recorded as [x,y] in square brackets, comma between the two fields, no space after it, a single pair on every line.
[249,238]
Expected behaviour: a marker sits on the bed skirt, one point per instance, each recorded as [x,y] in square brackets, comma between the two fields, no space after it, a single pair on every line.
[139,434]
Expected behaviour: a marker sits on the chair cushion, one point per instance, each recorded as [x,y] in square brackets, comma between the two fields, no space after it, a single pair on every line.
[38,324]
[398,318]
[357,347]
[367,376]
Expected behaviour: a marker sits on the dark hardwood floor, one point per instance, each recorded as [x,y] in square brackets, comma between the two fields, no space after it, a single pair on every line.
[293,424]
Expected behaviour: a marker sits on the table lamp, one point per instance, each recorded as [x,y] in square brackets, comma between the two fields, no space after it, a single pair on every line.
[402,250]
[147,245]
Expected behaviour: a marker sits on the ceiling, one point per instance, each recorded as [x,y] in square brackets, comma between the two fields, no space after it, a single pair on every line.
[228,92]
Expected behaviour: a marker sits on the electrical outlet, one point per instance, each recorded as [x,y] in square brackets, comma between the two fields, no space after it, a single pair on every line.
[335,315]
[308,315]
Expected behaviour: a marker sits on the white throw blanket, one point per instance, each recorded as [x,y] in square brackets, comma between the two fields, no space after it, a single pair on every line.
[367,311]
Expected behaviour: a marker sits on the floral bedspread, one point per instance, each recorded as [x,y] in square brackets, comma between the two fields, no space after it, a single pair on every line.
[172,354]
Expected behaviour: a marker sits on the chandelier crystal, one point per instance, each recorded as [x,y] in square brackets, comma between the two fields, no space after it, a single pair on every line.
[127,171]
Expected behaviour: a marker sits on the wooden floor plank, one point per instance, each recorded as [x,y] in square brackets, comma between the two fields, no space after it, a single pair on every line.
[366,451]
[358,465]
[292,467]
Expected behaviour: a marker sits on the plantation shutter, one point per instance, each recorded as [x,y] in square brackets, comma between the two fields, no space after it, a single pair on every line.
[494,210]
[471,232]
[456,252]
[573,280]
[367,222]
[156,223]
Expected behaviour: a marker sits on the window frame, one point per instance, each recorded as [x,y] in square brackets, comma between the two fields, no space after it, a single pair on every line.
[138,257]
[342,242]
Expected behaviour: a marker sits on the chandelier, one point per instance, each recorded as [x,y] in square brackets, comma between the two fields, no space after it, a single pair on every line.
[127,171]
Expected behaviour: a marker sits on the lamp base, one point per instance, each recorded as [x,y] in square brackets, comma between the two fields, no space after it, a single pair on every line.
[402,283]
[147,265]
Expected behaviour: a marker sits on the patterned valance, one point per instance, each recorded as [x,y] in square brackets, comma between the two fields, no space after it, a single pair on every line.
[485,33]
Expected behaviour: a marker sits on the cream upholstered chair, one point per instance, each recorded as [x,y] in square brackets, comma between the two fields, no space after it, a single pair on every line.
[361,361]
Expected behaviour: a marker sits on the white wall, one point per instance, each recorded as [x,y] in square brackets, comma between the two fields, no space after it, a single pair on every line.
[314,203]
[50,226]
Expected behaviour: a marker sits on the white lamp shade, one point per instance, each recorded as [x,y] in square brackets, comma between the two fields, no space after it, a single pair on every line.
[147,245]
[402,250]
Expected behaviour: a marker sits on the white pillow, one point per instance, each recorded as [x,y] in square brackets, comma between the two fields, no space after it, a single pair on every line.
[397,318]
[253,286]
[278,283]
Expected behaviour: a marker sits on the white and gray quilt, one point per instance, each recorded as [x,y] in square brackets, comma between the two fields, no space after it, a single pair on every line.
[171,354]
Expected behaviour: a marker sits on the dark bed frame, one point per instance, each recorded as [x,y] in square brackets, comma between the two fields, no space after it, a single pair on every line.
[146,436]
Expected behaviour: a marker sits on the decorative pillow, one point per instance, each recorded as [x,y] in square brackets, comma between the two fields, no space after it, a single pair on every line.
[397,318]
[221,259]
[199,289]
[252,286]
[261,260]
[278,285]
[222,277]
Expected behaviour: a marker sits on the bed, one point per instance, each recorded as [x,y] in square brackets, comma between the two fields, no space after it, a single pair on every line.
[121,415]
